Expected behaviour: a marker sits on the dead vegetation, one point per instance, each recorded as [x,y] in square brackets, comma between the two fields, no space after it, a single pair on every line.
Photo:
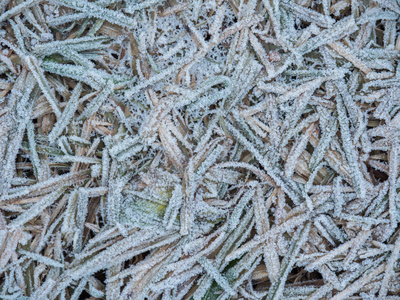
[200,149]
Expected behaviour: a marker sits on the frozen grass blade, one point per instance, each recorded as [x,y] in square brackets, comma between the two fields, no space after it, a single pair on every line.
[18,9]
[199,149]
[276,290]
[36,209]
[214,273]
[67,114]
[94,10]
[43,83]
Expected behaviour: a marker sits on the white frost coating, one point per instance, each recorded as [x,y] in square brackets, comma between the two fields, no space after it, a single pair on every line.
[199,149]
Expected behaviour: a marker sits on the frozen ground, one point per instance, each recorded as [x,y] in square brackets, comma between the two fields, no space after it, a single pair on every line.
[237,149]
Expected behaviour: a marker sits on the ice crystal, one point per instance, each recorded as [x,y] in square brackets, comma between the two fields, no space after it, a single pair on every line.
[200,149]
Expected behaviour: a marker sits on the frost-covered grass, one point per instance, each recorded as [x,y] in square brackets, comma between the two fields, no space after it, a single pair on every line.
[202,149]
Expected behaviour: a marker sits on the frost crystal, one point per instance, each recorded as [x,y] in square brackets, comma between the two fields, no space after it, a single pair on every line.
[201,149]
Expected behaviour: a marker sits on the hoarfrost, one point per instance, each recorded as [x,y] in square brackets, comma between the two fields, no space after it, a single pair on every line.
[208,149]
